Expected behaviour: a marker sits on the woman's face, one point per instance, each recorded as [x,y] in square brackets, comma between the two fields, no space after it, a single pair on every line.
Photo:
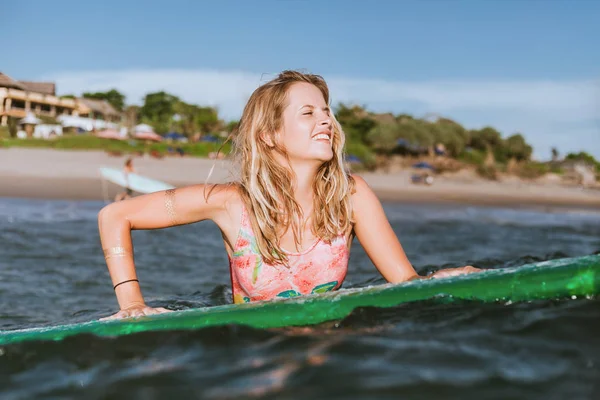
[306,133]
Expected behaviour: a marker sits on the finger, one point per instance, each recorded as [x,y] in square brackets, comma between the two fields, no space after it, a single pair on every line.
[158,310]
[118,315]
[136,313]
[439,275]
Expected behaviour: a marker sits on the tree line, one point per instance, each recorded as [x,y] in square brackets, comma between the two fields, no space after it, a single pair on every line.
[402,133]
[368,134]
[164,112]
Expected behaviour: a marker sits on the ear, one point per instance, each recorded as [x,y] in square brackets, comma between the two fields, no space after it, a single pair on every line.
[267,139]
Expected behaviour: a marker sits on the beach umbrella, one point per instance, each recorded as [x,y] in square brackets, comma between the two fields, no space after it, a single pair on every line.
[423,165]
[110,134]
[30,119]
[351,158]
[29,123]
[209,138]
[410,146]
[148,136]
[143,128]
[175,136]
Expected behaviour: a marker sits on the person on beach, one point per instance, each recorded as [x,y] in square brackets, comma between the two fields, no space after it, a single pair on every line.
[289,219]
[127,169]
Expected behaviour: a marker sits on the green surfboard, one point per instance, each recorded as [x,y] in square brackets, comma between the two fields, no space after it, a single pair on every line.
[568,277]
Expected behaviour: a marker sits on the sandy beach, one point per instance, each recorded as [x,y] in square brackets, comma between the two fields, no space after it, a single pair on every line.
[55,174]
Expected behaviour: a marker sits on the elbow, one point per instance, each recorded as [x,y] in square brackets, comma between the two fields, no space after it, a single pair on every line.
[109,216]
[105,214]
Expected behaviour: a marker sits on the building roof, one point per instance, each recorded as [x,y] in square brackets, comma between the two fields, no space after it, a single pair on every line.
[100,106]
[8,82]
[36,87]
[40,87]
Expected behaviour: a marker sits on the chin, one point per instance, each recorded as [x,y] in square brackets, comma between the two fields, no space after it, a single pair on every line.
[315,157]
[325,157]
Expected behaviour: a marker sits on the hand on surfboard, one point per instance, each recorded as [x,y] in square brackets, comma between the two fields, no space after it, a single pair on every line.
[137,311]
[445,273]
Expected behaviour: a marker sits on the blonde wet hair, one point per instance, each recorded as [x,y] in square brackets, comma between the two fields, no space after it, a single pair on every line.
[266,186]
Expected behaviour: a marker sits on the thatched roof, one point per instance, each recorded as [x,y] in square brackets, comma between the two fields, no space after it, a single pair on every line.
[36,87]
[40,87]
[100,106]
[8,82]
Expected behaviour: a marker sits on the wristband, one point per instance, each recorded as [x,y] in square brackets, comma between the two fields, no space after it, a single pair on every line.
[129,280]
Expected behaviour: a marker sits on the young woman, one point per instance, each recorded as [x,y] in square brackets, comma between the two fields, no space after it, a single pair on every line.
[288,222]
[127,169]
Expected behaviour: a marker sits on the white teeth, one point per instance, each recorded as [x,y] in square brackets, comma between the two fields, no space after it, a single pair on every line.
[321,136]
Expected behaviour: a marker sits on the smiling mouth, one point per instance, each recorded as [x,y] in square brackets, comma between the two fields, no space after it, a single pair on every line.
[321,136]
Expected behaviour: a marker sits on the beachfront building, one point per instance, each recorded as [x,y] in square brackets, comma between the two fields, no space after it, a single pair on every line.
[21,98]
[98,109]
[93,115]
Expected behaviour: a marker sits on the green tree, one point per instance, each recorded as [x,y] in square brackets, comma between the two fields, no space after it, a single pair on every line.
[485,138]
[452,135]
[421,131]
[231,126]
[404,117]
[384,136]
[581,156]
[185,122]
[452,140]
[158,110]
[193,118]
[355,121]
[207,120]
[516,147]
[113,97]
[585,157]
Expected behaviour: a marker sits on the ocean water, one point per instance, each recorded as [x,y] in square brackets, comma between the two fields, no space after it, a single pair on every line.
[52,271]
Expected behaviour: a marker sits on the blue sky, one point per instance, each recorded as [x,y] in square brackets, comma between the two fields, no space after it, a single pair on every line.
[520,66]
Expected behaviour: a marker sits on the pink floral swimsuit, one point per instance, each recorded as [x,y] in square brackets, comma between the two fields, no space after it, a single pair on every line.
[320,268]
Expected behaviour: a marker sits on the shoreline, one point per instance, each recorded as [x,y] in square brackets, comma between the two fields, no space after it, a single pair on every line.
[56,188]
[73,175]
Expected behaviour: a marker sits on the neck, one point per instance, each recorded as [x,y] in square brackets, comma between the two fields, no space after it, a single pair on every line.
[303,188]
[305,173]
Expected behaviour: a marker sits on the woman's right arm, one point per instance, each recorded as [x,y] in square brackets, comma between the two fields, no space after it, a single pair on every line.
[151,211]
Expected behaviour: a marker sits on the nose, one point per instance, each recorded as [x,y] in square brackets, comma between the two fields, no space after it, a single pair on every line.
[325,120]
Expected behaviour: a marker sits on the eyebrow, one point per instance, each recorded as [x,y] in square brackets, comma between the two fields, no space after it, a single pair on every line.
[326,108]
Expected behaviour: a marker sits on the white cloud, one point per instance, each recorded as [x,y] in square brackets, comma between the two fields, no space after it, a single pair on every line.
[575,98]
[549,113]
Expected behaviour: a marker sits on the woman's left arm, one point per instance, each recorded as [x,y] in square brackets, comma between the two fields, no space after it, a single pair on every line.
[381,244]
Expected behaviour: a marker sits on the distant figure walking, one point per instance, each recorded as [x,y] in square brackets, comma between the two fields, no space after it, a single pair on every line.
[127,169]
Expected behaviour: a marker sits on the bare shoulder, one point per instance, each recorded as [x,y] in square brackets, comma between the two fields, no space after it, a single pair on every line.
[220,194]
[362,192]
[222,197]
[180,206]
[227,197]
[359,182]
